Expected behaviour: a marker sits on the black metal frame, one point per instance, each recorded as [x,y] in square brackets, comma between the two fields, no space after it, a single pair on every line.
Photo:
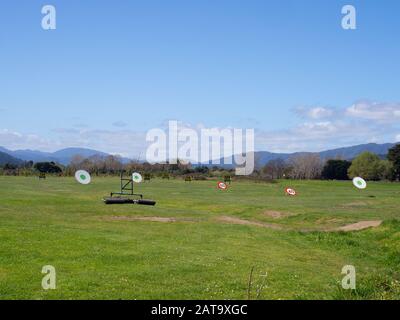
[126,185]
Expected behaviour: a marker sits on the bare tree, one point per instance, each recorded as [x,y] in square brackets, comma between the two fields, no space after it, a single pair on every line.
[76,161]
[306,166]
[275,169]
[113,164]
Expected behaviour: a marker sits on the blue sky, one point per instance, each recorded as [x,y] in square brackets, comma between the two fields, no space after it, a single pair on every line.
[114,69]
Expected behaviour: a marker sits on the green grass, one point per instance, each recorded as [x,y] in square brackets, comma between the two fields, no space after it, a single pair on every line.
[62,223]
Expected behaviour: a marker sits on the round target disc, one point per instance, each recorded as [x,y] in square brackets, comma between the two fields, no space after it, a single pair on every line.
[290,191]
[82,176]
[222,185]
[137,177]
[359,183]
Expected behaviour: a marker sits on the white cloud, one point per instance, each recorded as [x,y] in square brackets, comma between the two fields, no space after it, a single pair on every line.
[320,136]
[80,125]
[362,110]
[320,113]
[123,142]
[307,136]
[315,113]
[16,140]
[328,127]
[379,112]
[321,128]
[127,143]
[119,124]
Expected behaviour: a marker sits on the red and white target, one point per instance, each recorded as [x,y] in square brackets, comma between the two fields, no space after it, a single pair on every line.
[290,191]
[222,185]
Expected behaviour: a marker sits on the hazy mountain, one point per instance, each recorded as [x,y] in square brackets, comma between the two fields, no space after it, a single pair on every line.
[28,155]
[63,156]
[346,153]
[6,158]
[352,152]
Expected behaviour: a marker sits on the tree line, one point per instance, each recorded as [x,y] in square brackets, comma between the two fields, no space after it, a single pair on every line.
[310,166]
[303,166]
[113,165]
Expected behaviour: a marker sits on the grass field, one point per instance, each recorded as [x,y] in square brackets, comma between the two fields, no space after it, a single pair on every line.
[100,251]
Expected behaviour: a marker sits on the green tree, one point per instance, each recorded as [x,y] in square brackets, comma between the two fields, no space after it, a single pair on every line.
[336,170]
[47,167]
[387,172]
[394,157]
[368,166]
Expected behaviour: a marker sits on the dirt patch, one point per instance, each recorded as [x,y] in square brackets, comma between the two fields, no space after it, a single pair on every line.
[355,204]
[233,220]
[328,221]
[275,214]
[152,219]
[361,225]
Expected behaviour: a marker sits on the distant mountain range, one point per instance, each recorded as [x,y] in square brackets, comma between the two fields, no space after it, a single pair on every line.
[6,158]
[65,156]
[346,153]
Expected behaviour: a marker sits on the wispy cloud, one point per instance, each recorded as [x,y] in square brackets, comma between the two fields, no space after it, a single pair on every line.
[329,127]
[16,140]
[375,111]
[315,113]
[317,136]
[120,124]
[80,125]
[124,142]
[319,128]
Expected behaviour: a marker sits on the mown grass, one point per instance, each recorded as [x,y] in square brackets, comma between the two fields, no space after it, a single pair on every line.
[62,223]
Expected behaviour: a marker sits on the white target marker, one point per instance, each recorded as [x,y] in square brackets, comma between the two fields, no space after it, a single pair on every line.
[137,177]
[290,191]
[82,176]
[222,185]
[359,183]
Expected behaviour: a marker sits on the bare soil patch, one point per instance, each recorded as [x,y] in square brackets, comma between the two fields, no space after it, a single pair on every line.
[233,220]
[355,204]
[152,219]
[275,214]
[327,220]
[361,225]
